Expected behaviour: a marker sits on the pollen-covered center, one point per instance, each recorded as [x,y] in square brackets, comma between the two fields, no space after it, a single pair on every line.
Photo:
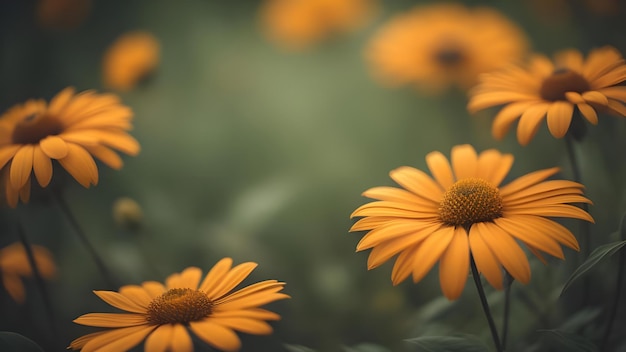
[560,82]
[179,306]
[469,201]
[35,127]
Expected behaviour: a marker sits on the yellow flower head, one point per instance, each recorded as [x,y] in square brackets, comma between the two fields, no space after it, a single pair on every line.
[71,129]
[463,210]
[161,314]
[443,45]
[132,57]
[554,90]
[298,24]
[14,266]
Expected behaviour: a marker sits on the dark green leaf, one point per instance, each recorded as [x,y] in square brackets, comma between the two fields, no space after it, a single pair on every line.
[594,258]
[565,341]
[12,342]
[298,348]
[447,344]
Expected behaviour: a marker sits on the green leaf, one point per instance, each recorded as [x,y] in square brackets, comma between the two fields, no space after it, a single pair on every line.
[12,342]
[366,347]
[298,348]
[565,341]
[448,344]
[594,258]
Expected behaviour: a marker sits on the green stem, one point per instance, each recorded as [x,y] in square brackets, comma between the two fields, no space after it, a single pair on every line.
[585,229]
[41,286]
[507,308]
[485,305]
[83,238]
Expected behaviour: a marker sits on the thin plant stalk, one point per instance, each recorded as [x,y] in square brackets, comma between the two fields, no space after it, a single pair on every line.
[485,305]
[585,230]
[39,282]
[507,309]
[615,303]
[106,275]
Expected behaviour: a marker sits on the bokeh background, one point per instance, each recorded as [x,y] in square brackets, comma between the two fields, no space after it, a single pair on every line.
[260,153]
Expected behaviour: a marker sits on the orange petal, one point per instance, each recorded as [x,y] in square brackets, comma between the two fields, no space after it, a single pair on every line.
[400,228]
[216,335]
[417,182]
[122,339]
[160,338]
[530,236]
[106,155]
[454,265]
[80,165]
[493,166]
[246,325]
[111,320]
[137,295]
[232,279]
[118,301]
[215,275]
[588,112]
[21,166]
[7,152]
[529,122]
[559,118]
[180,339]
[526,181]
[430,251]
[485,260]
[42,165]
[54,147]
[596,98]
[464,161]
[403,266]
[506,117]
[440,169]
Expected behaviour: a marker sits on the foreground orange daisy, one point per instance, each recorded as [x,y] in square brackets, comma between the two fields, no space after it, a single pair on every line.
[14,266]
[553,90]
[71,129]
[439,46]
[131,58]
[298,24]
[463,212]
[161,313]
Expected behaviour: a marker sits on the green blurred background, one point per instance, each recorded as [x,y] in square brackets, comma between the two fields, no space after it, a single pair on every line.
[260,154]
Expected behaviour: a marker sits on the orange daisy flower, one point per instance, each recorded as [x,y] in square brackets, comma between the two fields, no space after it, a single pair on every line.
[443,45]
[14,266]
[553,90]
[298,24]
[462,212]
[70,129]
[161,313]
[62,14]
[131,58]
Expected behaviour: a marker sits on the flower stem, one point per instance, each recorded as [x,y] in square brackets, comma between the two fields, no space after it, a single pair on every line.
[485,305]
[507,308]
[106,275]
[41,286]
[615,303]
[584,225]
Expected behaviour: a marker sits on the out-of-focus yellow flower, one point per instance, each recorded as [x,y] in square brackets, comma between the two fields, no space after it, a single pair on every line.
[298,24]
[131,58]
[127,213]
[14,266]
[443,45]
[553,91]
[463,212]
[62,14]
[161,314]
[71,129]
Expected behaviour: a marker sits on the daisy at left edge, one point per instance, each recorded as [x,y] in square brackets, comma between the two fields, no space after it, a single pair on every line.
[161,314]
[71,129]
[463,212]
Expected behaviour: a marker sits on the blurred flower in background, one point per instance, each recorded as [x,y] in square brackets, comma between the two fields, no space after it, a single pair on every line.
[130,59]
[62,14]
[443,45]
[127,213]
[552,90]
[465,212]
[299,24]
[162,313]
[14,266]
[72,129]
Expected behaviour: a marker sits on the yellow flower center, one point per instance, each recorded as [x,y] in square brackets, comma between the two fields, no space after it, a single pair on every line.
[449,56]
[179,306]
[469,201]
[560,82]
[35,127]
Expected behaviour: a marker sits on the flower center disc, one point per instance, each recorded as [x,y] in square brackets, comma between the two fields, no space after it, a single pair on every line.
[179,306]
[469,201]
[34,128]
[449,56]
[560,82]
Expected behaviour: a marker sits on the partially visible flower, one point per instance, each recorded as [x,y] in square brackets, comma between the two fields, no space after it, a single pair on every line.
[127,213]
[161,314]
[14,266]
[62,14]
[298,24]
[443,45]
[131,58]
[553,90]
[71,129]
[462,212]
